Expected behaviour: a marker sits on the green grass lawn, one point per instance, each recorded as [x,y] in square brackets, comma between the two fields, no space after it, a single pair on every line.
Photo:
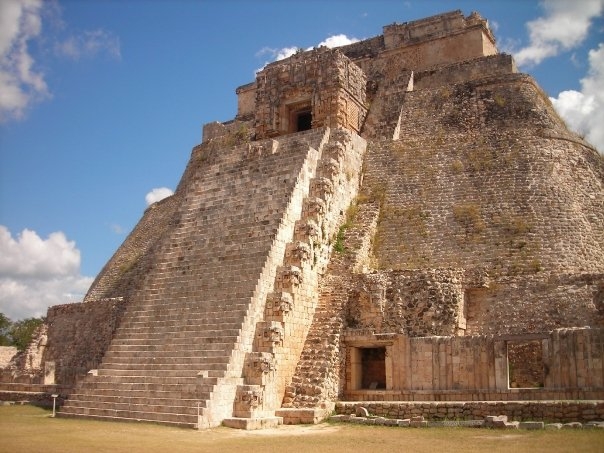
[31,429]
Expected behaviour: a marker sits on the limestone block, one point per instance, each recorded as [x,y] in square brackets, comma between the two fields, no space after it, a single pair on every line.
[553,426]
[572,425]
[361,411]
[531,425]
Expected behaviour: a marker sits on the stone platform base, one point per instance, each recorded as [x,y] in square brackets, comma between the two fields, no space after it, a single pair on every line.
[549,411]
[253,423]
[296,416]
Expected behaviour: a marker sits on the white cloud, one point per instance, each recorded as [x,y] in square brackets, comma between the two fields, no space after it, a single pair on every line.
[37,273]
[285,52]
[20,83]
[90,44]
[157,194]
[584,110]
[117,228]
[563,27]
[337,41]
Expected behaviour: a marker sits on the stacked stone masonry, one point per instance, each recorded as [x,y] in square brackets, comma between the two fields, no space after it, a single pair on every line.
[403,218]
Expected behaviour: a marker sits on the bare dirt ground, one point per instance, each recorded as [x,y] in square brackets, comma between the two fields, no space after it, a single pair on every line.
[31,429]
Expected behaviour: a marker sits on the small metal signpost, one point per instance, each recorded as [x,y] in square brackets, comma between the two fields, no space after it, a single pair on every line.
[54,403]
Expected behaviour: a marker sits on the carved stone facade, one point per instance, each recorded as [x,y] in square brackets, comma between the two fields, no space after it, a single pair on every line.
[319,88]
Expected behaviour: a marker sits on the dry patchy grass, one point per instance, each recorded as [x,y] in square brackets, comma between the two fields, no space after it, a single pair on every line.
[30,429]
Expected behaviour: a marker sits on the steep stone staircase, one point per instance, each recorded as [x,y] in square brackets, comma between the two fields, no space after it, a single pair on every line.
[290,307]
[177,356]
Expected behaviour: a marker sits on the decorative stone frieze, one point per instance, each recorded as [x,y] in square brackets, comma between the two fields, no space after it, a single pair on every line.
[307,230]
[279,303]
[260,368]
[314,208]
[298,253]
[288,278]
[250,397]
[272,334]
[321,188]
[329,169]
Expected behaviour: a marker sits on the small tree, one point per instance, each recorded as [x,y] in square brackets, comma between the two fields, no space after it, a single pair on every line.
[21,332]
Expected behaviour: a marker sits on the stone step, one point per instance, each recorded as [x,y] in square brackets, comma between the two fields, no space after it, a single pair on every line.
[178,331]
[134,388]
[159,351]
[97,400]
[225,345]
[181,386]
[167,354]
[150,405]
[165,369]
[182,310]
[113,414]
[108,380]
[177,342]
[202,320]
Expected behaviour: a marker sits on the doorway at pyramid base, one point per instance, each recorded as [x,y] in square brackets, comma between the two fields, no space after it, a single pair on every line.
[527,369]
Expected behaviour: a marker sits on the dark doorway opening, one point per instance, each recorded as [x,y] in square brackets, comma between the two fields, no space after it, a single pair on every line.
[373,368]
[303,120]
[525,364]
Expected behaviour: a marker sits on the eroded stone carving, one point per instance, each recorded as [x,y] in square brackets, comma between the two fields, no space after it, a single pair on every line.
[308,229]
[329,169]
[280,303]
[321,188]
[250,397]
[297,253]
[289,276]
[258,149]
[314,208]
[262,362]
[273,334]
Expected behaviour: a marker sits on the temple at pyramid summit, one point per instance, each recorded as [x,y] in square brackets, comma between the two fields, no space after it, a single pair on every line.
[401,220]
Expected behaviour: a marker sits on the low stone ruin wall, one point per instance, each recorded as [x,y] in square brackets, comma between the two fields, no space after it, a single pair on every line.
[449,368]
[549,411]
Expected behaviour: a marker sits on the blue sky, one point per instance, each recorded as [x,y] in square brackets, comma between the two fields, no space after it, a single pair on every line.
[102,101]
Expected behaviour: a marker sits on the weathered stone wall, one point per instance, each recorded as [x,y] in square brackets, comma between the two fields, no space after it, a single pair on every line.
[478,68]
[463,36]
[416,303]
[246,100]
[79,335]
[538,303]
[501,193]
[28,366]
[477,367]
[549,411]
[6,354]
